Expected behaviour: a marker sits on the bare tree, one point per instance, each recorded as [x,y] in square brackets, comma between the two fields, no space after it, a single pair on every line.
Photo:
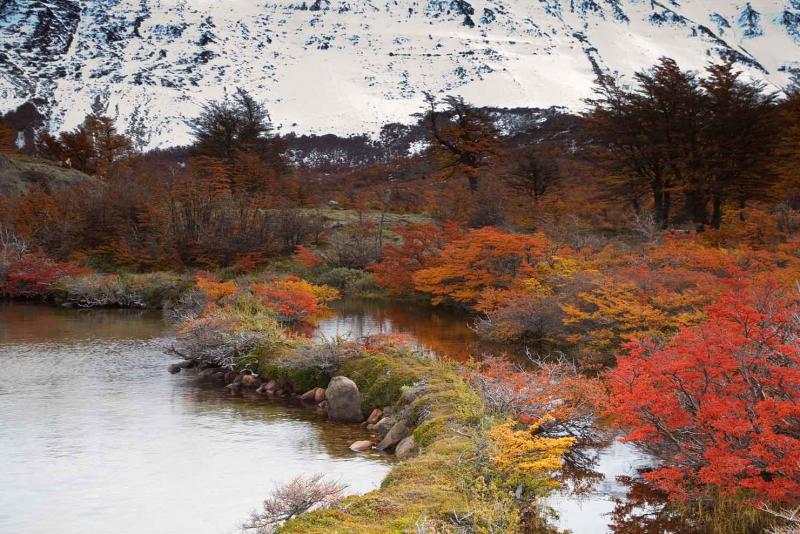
[298,496]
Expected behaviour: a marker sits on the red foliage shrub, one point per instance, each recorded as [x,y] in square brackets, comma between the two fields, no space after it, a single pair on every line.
[34,274]
[719,404]
[305,258]
[421,244]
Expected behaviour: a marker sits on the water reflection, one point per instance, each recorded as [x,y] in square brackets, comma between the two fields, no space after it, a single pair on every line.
[436,331]
[95,436]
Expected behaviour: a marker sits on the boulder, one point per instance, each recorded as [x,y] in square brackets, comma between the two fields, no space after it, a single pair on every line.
[406,448]
[206,374]
[344,400]
[398,433]
[250,381]
[319,395]
[230,376]
[310,395]
[361,446]
[176,367]
[268,388]
[382,427]
[374,416]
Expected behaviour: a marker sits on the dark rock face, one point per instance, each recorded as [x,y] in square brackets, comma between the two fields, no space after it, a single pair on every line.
[344,400]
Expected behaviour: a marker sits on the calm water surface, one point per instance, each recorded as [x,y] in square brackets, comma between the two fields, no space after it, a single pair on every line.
[96,436]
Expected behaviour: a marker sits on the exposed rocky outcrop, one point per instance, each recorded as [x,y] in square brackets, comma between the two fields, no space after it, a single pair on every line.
[19,174]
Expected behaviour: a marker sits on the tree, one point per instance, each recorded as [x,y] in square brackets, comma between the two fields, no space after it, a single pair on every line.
[536,172]
[483,264]
[238,123]
[463,138]
[739,138]
[788,149]
[111,149]
[421,244]
[94,147]
[719,404]
[709,138]
[650,133]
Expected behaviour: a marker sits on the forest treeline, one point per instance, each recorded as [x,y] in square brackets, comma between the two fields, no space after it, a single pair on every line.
[652,242]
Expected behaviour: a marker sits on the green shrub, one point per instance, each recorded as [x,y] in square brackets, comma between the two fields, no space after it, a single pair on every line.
[348,281]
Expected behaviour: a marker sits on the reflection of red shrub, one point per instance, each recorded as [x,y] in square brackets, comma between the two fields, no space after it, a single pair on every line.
[719,404]
[34,274]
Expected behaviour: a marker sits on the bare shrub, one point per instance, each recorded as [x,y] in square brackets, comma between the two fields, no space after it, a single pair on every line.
[788,218]
[645,226]
[12,246]
[298,496]
[355,246]
[212,344]
[531,321]
[570,231]
[292,227]
[790,519]
[126,291]
[325,357]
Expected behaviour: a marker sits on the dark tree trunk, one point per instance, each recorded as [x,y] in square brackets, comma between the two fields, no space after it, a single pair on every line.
[474,181]
[716,212]
[696,203]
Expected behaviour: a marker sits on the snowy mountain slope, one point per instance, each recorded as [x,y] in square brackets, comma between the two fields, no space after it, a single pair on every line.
[349,66]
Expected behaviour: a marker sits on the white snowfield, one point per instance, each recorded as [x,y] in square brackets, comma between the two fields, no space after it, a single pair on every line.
[351,66]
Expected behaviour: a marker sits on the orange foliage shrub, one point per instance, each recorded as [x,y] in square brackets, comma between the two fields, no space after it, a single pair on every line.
[420,247]
[482,267]
[305,258]
[293,299]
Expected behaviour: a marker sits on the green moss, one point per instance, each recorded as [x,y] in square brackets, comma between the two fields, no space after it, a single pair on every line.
[449,484]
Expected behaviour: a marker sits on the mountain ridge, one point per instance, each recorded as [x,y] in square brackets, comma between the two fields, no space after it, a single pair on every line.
[349,67]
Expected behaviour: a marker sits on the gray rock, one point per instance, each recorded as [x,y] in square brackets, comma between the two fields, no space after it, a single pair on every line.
[230,376]
[382,427]
[406,448]
[398,433]
[268,388]
[361,446]
[344,400]
[206,374]
[176,367]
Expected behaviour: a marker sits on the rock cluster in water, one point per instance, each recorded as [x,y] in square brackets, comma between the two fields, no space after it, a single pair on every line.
[341,401]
